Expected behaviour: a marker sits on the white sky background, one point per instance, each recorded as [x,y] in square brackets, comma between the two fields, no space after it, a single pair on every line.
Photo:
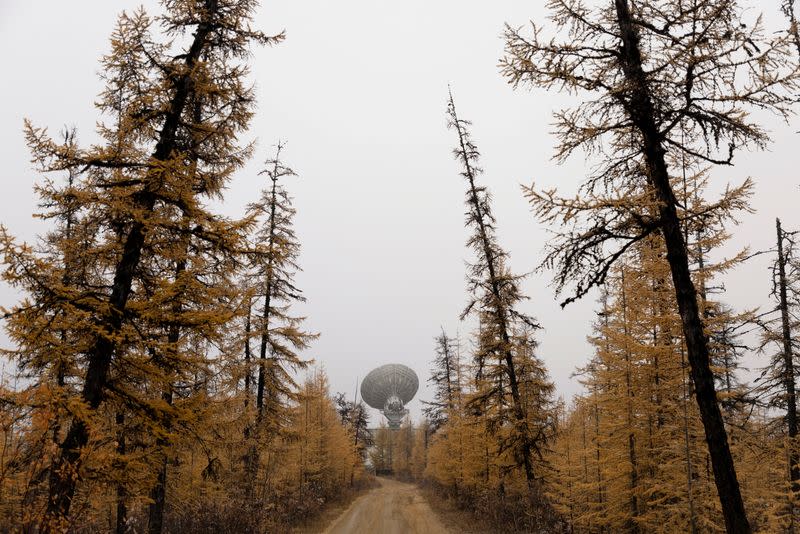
[359,89]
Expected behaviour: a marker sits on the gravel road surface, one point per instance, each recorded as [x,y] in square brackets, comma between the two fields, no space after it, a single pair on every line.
[393,508]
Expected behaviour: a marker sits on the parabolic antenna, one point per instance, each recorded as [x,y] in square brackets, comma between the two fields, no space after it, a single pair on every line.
[388,388]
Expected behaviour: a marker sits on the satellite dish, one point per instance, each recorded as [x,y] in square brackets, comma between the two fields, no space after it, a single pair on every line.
[388,388]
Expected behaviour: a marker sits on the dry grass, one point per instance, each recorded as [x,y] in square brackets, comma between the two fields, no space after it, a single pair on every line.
[489,514]
[333,509]
[456,518]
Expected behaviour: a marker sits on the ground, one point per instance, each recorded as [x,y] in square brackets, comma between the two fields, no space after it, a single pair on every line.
[392,508]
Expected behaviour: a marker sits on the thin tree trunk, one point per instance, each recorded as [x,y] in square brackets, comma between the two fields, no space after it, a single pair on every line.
[268,290]
[687,389]
[634,473]
[585,459]
[264,372]
[600,489]
[788,372]
[248,377]
[687,445]
[159,497]
[642,113]
[158,493]
[122,508]
[448,372]
[570,498]
[250,462]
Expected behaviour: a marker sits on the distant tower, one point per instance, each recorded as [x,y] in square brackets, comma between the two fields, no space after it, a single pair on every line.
[388,388]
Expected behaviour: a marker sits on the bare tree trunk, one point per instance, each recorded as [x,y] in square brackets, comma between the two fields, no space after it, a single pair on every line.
[268,290]
[642,113]
[788,372]
[600,488]
[634,473]
[122,508]
[248,377]
[158,495]
[687,444]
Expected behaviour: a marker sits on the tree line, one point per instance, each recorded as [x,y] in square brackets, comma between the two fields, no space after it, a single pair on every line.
[667,436]
[155,342]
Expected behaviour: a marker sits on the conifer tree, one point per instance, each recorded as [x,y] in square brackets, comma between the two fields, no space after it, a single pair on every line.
[172,147]
[778,380]
[355,419]
[494,298]
[672,83]
[273,264]
[445,377]
[50,340]
[402,449]
[309,462]
[637,386]
[419,450]
[380,456]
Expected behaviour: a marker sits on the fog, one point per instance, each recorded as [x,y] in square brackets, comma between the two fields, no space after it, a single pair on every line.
[358,91]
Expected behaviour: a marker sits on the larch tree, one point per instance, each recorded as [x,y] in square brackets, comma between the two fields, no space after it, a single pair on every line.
[614,383]
[536,388]
[355,418]
[380,456]
[636,428]
[635,382]
[402,442]
[419,451]
[50,339]
[273,263]
[504,336]
[315,461]
[778,380]
[445,378]
[178,106]
[674,81]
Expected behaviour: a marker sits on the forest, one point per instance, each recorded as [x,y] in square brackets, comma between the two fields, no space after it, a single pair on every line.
[159,372]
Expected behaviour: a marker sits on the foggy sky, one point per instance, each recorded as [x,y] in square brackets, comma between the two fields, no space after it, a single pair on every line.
[358,90]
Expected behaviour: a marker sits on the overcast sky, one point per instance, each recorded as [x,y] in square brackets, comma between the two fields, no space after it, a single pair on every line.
[358,90]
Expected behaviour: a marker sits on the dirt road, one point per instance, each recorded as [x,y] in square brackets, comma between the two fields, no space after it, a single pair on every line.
[394,508]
